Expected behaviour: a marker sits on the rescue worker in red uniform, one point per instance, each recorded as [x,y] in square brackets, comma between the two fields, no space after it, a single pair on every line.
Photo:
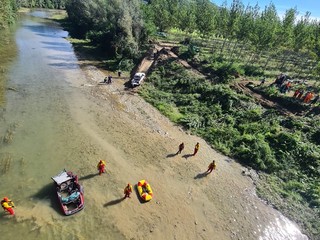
[101,167]
[127,191]
[212,166]
[7,205]
[196,149]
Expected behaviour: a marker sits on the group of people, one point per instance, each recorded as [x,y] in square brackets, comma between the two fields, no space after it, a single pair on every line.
[8,205]
[128,189]
[196,148]
[308,97]
[108,79]
[212,165]
[102,169]
[283,82]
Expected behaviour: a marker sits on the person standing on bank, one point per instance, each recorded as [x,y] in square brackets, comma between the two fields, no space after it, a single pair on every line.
[101,167]
[196,148]
[7,205]
[181,147]
[127,191]
[212,166]
[109,79]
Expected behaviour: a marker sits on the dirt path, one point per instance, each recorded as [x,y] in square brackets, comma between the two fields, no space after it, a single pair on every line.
[139,143]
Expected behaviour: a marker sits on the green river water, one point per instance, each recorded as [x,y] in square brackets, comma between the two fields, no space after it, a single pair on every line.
[39,136]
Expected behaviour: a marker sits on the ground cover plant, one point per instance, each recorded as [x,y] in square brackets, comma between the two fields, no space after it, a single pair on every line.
[284,150]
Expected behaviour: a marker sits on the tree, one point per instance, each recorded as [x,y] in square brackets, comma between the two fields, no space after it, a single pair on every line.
[302,33]
[114,25]
[204,17]
[265,28]
[285,34]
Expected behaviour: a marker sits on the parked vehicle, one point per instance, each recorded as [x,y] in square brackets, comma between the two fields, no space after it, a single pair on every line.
[137,79]
[69,192]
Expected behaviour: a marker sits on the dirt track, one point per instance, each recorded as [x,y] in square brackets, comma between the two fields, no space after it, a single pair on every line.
[139,143]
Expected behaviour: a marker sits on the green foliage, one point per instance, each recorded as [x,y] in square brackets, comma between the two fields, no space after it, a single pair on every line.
[57,4]
[285,148]
[8,11]
[254,151]
[315,136]
[272,90]
[252,70]
[115,26]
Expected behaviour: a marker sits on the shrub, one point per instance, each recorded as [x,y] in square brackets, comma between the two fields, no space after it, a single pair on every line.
[254,151]
[251,70]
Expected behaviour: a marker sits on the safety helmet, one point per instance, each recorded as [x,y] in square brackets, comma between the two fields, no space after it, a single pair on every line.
[5,199]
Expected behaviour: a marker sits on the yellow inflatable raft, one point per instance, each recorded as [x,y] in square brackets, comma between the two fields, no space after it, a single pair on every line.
[144,190]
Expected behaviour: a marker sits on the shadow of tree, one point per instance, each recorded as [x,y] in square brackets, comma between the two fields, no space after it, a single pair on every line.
[201,175]
[113,202]
[88,176]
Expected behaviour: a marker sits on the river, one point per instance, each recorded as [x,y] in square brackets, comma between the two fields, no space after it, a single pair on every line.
[40,137]
[43,124]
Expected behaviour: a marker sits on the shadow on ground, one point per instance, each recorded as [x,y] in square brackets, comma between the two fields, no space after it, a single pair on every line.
[48,193]
[171,155]
[201,175]
[114,202]
[88,176]
[186,156]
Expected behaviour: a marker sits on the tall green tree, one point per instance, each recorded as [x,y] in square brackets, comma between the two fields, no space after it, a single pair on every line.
[285,34]
[205,17]
[265,28]
[114,25]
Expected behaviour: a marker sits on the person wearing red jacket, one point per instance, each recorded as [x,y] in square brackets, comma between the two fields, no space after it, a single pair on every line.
[7,205]
[101,167]
[127,191]
[196,149]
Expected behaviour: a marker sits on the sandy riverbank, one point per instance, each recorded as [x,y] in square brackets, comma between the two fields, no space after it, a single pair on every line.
[141,144]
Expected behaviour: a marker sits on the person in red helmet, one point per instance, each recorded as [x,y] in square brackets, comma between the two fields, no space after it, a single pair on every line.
[127,191]
[7,205]
[101,167]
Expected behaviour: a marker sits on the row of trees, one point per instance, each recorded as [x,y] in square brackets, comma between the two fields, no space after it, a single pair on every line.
[57,4]
[123,26]
[263,28]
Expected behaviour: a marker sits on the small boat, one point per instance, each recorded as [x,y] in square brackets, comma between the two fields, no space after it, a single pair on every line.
[69,192]
[144,190]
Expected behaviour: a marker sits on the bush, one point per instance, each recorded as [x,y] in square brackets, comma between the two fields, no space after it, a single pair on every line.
[254,151]
[254,71]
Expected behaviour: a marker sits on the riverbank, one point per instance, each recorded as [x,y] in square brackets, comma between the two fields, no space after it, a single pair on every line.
[187,203]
